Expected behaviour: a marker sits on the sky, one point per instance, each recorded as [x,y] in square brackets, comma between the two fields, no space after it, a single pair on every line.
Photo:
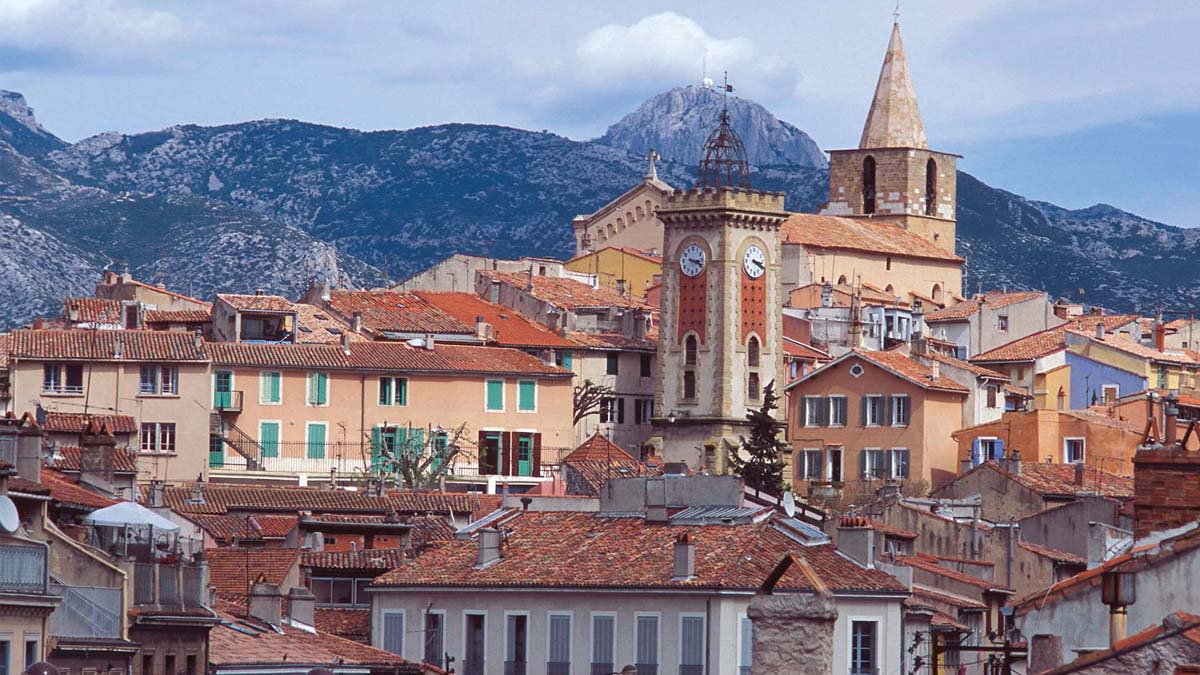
[1071,101]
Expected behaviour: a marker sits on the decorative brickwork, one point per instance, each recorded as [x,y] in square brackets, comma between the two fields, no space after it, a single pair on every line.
[693,305]
[1166,486]
[754,306]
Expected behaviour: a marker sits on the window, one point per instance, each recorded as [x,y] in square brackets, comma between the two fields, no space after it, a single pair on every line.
[646,365]
[691,645]
[837,411]
[393,631]
[158,437]
[189,665]
[689,351]
[1002,323]
[563,359]
[516,648]
[991,395]
[888,262]
[268,438]
[868,185]
[871,464]
[1111,392]
[169,664]
[435,638]
[495,396]
[752,356]
[931,187]
[643,409]
[612,410]
[872,410]
[558,660]
[158,380]
[863,653]
[646,655]
[813,409]
[900,410]
[745,646]
[833,464]
[315,440]
[986,448]
[339,591]
[808,464]
[1074,450]
[393,391]
[689,384]
[147,664]
[476,641]
[527,396]
[753,391]
[318,389]
[270,387]
[898,460]
[31,653]
[62,378]
[603,644]
[612,365]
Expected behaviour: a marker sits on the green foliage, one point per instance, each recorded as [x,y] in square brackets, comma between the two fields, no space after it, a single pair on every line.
[762,468]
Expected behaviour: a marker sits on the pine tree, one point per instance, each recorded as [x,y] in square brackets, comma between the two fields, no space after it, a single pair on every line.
[762,469]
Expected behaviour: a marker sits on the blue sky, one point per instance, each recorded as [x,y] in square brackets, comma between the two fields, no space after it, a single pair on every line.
[1071,101]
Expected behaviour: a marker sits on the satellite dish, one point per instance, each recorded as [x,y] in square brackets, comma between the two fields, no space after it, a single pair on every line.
[10,520]
[789,504]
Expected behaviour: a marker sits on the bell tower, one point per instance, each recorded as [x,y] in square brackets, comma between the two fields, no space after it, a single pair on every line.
[721,326]
[893,176]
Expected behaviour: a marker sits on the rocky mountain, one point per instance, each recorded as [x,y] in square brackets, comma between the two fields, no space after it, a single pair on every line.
[677,122]
[273,203]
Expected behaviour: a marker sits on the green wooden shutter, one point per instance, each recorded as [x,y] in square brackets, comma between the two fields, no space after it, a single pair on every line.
[803,411]
[567,361]
[322,389]
[385,391]
[402,391]
[495,395]
[268,438]
[316,441]
[418,442]
[527,396]
[376,448]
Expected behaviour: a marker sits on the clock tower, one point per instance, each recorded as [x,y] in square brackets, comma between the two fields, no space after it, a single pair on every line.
[721,326]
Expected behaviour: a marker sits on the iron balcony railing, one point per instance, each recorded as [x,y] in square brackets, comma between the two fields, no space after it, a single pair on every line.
[227,401]
[86,612]
[22,569]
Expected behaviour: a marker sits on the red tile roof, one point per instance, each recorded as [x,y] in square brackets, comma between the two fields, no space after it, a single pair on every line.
[101,345]
[565,292]
[234,570]
[163,290]
[319,326]
[637,253]
[932,565]
[277,355]
[256,303]
[978,371]
[352,624]
[221,498]
[860,234]
[509,328]
[124,460]
[897,363]
[1182,624]
[970,307]
[803,351]
[936,595]
[611,341]
[369,559]
[1052,553]
[67,492]
[449,358]
[597,460]
[395,311]
[178,315]
[239,640]
[76,423]
[225,528]
[94,310]
[587,550]
[1059,479]
[5,347]
[1051,340]
[1132,348]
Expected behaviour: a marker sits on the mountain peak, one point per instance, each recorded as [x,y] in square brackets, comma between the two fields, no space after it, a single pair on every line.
[677,122]
[20,129]
[13,104]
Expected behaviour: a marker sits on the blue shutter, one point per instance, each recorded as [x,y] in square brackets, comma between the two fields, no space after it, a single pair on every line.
[393,633]
[976,452]
[999,449]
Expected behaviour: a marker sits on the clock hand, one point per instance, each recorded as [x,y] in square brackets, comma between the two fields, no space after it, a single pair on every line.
[695,261]
[759,263]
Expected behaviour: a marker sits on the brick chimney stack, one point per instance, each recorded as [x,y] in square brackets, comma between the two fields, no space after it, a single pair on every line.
[1166,480]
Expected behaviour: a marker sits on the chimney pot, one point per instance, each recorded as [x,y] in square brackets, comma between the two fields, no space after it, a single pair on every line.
[302,606]
[265,603]
[1100,331]
[198,338]
[489,541]
[356,322]
[1080,470]
[685,557]
[346,344]
[935,369]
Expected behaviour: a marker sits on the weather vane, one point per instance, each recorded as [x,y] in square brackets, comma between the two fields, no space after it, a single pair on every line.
[896,14]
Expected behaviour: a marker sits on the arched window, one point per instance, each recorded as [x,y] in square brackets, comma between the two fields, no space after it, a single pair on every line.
[889,290]
[868,184]
[689,351]
[620,223]
[842,280]
[752,352]
[930,187]
[641,213]
[629,217]
[937,293]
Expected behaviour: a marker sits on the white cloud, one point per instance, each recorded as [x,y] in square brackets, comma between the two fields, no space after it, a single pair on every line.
[84,29]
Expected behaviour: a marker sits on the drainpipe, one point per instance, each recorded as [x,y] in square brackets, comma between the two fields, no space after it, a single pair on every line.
[707,630]
[1012,543]
[362,411]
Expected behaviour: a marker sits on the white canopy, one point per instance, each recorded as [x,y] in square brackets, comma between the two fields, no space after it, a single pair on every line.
[129,513]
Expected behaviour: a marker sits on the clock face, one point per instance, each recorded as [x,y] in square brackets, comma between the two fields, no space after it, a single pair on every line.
[691,261]
[754,262]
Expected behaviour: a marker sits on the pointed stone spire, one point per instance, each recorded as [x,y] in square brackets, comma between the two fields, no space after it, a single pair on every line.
[651,171]
[894,120]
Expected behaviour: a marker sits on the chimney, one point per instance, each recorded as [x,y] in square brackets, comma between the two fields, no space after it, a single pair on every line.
[1100,331]
[1160,336]
[346,344]
[356,322]
[259,291]
[1062,398]
[156,497]
[118,349]
[1080,472]
[856,539]
[489,541]
[265,603]
[935,370]
[73,314]
[1014,462]
[429,341]
[685,558]
[826,295]
[302,606]
[29,453]
[1045,653]
[1171,424]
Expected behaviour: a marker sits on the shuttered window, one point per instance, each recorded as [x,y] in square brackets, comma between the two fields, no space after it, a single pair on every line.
[393,632]
[495,396]
[559,662]
[691,645]
[318,389]
[268,438]
[435,638]
[316,441]
[746,647]
[270,388]
[527,396]
[647,645]
[603,645]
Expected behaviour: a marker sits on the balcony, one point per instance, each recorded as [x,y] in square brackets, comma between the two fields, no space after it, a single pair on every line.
[22,569]
[86,612]
[169,586]
[227,401]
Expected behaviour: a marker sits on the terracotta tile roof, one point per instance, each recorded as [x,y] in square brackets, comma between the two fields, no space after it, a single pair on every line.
[277,355]
[369,559]
[931,564]
[76,423]
[234,570]
[597,460]
[1051,340]
[587,550]
[903,365]
[859,234]
[25,486]
[318,326]
[95,310]
[395,311]
[611,341]
[256,303]
[5,347]
[92,345]
[221,498]
[937,595]
[449,358]
[1182,624]
[124,459]
[1059,479]
[978,371]
[803,351]
[431,529]
[1052,553]
[225,528]
[178,315]
[891,531]
[509,328]
[67,492]
[161,289]
[565,292]
[637,253]
[239,640]
[1135,349]
[352,624]
[598,448]
[970,307]
[1141,557]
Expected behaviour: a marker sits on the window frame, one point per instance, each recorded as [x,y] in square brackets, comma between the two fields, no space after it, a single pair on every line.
[812,413]
[703,646]
[466,616]
[592,616]
[742,647]
[896,419]
[278,439]
[892,464]
[1116,389]
[851,621]
[868,399]
[843,409]
[570,616]
[804,463]
[869,472]
[657,616]
[441,656]
[310,379]
[403,629]
[520,396]
[158,444]
[528,634]
[487,384]
[1082,449]
[612,363]
[264,387]
[308,439]
[646,364]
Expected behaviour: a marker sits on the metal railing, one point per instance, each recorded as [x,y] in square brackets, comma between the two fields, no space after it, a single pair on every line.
[62,388]
[86,612]
[22,569]
[227,401]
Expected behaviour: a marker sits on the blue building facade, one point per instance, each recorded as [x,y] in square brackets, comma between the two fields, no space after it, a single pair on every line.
[1089,377]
